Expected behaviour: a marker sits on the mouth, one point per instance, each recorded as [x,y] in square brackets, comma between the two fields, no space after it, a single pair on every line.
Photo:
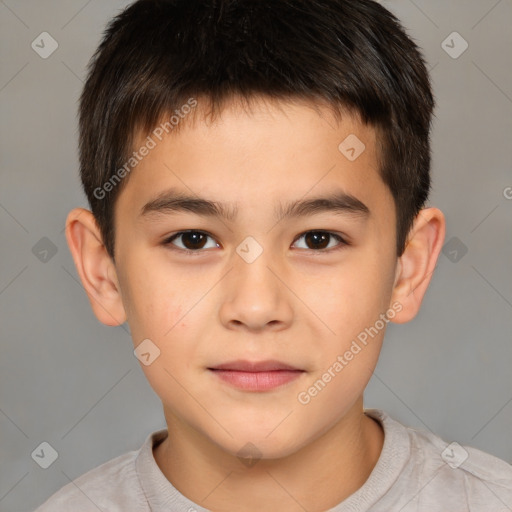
[256,376]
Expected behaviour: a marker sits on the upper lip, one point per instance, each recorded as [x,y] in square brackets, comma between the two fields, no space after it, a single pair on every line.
[254,366]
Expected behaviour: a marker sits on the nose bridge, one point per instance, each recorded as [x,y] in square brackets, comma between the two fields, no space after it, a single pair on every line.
[255,274]
[255,296]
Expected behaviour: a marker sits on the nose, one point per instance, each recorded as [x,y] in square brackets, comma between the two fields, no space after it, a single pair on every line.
[255,296]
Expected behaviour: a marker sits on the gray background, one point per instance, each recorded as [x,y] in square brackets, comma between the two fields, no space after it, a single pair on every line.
[74,383]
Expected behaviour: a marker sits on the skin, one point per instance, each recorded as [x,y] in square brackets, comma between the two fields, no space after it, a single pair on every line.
[293,303]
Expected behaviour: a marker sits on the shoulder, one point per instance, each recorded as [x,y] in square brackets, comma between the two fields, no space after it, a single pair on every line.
[441,475]
[112,486]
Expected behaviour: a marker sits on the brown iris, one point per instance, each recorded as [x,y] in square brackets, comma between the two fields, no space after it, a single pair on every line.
[317,239]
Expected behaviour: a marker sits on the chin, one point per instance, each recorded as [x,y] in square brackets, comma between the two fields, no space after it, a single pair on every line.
[257,443]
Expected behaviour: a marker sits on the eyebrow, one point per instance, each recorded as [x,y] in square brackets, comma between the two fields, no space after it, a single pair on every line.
[173,201]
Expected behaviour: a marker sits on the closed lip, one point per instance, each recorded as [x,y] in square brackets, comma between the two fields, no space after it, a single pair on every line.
[254,366]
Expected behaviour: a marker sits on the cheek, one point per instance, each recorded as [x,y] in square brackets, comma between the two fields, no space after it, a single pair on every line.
[159,319]
[350,298]
[350,305]
[154,300]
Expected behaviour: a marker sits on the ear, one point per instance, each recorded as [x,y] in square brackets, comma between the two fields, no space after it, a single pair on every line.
[95,267]
[416,265]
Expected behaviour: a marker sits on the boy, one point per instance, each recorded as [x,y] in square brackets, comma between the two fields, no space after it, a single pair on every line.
[257,172]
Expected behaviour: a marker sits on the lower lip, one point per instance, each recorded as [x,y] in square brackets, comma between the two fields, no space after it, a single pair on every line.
[257,381]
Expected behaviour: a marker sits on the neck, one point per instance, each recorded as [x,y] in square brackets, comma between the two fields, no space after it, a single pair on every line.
[317,477]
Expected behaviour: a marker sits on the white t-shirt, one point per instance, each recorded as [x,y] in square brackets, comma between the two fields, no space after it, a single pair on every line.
[416,472]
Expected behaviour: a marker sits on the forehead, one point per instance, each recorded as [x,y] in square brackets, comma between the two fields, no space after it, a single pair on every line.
[253,158]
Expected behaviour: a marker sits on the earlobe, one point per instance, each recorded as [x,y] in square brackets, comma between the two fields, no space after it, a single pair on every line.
[417,263]
[95,267]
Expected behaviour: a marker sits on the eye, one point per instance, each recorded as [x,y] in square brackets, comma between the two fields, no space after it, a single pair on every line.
[321,240]
[191,241]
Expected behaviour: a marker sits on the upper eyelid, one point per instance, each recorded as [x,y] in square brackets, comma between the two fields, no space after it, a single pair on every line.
[170,238]
[185,231]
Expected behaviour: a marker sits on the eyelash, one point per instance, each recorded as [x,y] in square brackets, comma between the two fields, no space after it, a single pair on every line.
[189,252]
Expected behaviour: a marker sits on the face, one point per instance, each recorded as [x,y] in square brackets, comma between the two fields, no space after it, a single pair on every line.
[254,267]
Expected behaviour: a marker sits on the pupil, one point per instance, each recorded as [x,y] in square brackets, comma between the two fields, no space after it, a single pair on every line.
[193,240]
[318,240]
